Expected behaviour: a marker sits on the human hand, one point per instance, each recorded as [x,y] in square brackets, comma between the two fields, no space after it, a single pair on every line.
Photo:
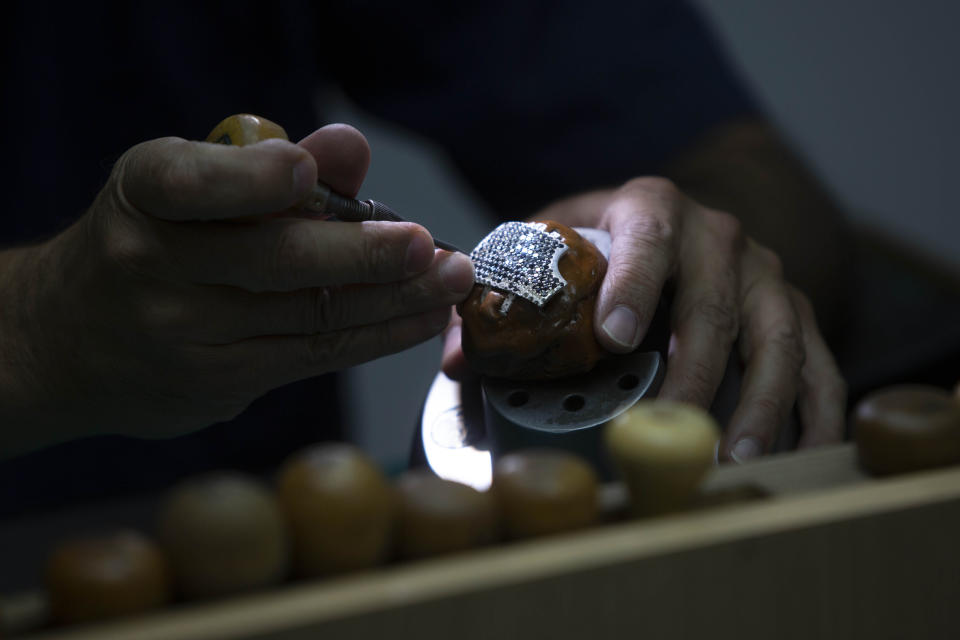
[191,287]
[728,292]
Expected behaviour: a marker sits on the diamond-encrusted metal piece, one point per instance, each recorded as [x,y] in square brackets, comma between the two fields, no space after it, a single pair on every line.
[521,258]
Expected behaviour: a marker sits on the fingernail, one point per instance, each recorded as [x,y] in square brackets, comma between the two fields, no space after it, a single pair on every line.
[621,326]
[745,449]
[456,273]
[419,254]
[303,177]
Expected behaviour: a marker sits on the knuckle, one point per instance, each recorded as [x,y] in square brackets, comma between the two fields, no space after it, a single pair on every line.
[180,176]
[659,202]
[721,315]
[165,317]
[770,406]
[419,293]
[379,256]
[726,227]
[285,260]
[770,260]
[125,245]
[787,339]
[156,166]
[658,186]
[637,280]
[323,310]
[698,383]
[131,166]
[651,234]
[656,229]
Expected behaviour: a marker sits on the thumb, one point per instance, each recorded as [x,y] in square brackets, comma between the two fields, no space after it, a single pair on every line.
[342,155]
[175,179]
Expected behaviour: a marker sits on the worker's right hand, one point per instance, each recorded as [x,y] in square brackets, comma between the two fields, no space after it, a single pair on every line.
[191,287]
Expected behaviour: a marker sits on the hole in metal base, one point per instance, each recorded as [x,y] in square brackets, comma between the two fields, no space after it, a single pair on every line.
[518,398]
[574,402]
[628,381]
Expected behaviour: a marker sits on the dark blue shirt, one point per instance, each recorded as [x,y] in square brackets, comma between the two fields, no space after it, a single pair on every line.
[532,100]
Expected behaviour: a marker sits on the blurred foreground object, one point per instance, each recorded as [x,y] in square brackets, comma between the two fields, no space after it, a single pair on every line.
[106,576]
[340,509]
[223,533]
[544,491]
[907,428]
[662,451]
[441,516]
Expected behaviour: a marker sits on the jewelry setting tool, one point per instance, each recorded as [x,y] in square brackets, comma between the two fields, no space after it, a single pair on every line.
[244,128]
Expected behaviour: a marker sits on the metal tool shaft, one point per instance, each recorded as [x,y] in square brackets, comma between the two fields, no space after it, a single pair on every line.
[324,200]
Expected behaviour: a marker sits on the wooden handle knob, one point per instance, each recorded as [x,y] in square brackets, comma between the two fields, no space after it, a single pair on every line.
[907,428]
[662,450]
[223,533]
[244,128]
[545,491]
[109,575]
[340,508]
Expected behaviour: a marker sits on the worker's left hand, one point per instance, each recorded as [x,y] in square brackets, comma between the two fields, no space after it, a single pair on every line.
[728,292]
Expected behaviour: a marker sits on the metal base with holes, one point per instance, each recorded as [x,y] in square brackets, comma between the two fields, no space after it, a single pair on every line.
[568,413]
[464,427]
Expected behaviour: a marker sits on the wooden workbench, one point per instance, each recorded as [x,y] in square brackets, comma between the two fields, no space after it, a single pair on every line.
[830,554]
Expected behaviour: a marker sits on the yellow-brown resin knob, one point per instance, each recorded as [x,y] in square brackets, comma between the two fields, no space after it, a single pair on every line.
[907,428]
[223,533]
[340,509]
[105,576]
[662,450]
[544,491]
[441,516]
[244,128]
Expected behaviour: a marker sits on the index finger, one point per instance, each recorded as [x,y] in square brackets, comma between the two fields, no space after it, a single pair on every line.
[284,254]
[176,179]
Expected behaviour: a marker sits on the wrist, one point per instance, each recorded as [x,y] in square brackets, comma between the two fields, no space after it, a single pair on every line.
[34,399]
